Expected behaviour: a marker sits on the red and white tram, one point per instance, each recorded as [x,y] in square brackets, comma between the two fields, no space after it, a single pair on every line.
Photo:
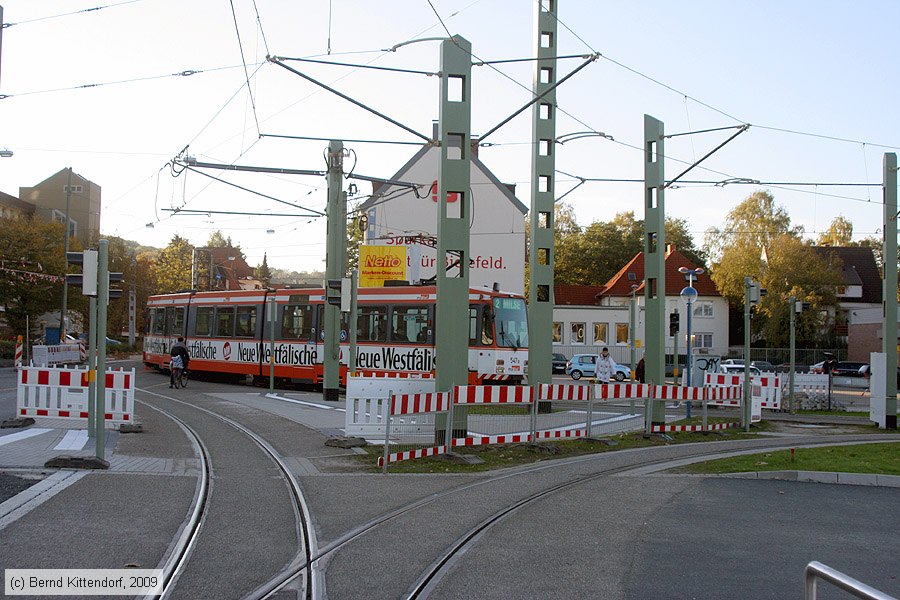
[227,332]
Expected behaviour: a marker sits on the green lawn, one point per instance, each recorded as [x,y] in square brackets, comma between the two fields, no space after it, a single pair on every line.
[861,458]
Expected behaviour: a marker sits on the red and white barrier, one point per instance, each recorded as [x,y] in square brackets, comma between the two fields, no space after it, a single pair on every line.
[491,394]
[765,389]
[18,351]
[563,392]
[412,454]
[617,391]
[63,393]
[677,392]
[405,404]
[709,427]
[485,440]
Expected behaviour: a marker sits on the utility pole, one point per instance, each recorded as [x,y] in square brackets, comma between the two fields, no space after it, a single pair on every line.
[65,298]
[793,311]
[102,308]
[745,407]
[542,254]
[335,267]
[654,261]
[889,327]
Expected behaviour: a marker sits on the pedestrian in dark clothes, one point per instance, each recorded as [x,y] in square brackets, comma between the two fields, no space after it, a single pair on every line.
[639,370]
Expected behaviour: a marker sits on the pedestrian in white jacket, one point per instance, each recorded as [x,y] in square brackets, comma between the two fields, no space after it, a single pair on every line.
[605,368]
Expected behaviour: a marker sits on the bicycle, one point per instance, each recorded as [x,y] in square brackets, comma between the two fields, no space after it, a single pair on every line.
[179,373]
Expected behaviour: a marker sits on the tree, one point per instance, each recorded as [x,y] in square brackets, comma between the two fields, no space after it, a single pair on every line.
[32,269]
[737,250]
[172,271]
[355,234]
[839,233]
[263,273]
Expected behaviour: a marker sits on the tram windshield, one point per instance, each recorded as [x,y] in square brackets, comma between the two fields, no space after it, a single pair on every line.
[510,322]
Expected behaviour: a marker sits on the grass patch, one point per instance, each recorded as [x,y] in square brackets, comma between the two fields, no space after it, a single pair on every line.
[861,458]
[509,455]
[835,413]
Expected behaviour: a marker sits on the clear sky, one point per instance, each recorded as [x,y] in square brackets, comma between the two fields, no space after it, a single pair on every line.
[825,67]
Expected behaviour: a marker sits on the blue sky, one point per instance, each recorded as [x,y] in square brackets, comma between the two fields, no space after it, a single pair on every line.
[818,67]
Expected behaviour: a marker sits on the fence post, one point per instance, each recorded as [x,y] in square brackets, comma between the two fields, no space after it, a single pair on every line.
[704,413]
[535,399]
[387,429]
[448,434]
[590,411]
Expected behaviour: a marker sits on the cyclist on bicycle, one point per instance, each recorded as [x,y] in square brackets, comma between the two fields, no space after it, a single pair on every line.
[179,349]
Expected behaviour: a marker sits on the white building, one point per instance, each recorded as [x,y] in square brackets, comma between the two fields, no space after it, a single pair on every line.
[403,216]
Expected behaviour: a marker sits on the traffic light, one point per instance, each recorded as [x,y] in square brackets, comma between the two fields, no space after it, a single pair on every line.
[115,293]
[757,292]
[674,320]
[337,293]
[87,279]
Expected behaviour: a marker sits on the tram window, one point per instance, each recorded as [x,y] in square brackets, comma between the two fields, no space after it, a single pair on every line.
[345,323]
[158,321]
[409,324]
[225,321]
[204,319]
[297,321]
[246,322]
[178,323]
[371,324]
[473,325]
[487,326]
[170,320]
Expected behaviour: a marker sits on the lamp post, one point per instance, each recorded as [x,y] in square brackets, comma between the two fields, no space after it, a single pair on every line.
[689,294]
[631,325]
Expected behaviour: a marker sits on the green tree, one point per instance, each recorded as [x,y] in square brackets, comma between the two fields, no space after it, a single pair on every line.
[736,251]
[172,271]
[839,233]
[355,234]
[32,269]
[263,273]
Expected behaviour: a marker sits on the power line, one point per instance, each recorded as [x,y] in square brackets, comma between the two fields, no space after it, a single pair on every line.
[74,12]
[185,73]
[261,30]
[244,61]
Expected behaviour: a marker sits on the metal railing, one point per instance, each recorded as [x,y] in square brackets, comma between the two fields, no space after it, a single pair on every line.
[816,570]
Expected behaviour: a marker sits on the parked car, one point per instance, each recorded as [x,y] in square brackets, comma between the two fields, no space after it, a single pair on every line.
[847,368]
[737,369]
[585,365]
[763,365]
[109,341]
[786,368]
[559,362]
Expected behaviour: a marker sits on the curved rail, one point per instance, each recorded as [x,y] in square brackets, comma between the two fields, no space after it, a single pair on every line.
[306,560]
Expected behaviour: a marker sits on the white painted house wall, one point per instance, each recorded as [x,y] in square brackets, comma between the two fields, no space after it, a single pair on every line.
[497,224]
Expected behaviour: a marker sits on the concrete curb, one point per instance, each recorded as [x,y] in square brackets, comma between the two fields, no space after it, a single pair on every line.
[822,477]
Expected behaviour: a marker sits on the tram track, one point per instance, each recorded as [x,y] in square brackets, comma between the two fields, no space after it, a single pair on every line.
[440,566]
[181,553]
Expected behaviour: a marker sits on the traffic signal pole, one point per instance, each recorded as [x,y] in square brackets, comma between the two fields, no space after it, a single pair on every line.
[745,405]
[889,327]
[102,306]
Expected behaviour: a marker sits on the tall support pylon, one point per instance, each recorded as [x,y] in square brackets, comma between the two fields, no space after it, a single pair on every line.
[542,254]
[454,214]
[335,266]
[889,339]
[654,259]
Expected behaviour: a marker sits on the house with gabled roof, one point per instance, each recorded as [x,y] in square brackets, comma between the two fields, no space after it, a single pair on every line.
[858,317]
[400,215]
[588,318]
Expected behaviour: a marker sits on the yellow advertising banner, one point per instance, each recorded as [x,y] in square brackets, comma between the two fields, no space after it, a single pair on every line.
[378,264]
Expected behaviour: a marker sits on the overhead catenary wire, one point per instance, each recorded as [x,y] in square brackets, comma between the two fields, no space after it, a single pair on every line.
[237,31]
[68,14]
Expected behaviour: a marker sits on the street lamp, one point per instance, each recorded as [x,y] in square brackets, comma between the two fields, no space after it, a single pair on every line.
[689,294]
[631,331]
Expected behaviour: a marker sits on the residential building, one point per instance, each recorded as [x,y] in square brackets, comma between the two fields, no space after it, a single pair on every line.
[51,196]
[588,318]
[13,208]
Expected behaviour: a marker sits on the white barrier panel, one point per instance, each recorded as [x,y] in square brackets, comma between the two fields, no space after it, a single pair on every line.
[763,388]
[43,356]
[63,393]
[811,387]
[368,402]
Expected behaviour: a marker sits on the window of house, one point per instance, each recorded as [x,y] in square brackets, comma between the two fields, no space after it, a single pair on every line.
[621,333]
[703,309]
[557,332]
[703,340]
[601,333]
[577,333]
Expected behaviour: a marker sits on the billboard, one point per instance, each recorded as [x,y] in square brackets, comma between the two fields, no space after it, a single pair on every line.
[378,264]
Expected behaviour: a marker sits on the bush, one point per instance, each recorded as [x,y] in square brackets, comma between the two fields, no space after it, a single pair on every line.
[7,349]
